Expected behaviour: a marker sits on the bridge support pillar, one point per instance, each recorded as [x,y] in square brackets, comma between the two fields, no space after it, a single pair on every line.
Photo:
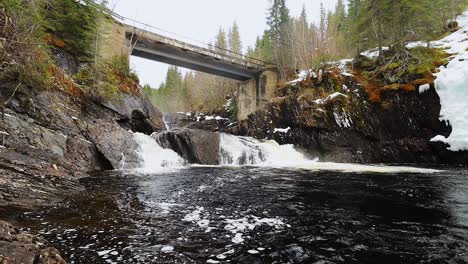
[112,40]
[253,94]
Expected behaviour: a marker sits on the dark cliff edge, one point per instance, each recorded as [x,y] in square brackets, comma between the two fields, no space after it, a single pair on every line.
[50,139]
[342,125]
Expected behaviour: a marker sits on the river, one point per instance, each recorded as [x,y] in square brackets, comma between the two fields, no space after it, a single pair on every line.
[269,206]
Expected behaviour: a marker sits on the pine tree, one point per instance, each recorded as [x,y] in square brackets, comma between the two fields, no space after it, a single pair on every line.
[355,18]
[303,34]
[221,42]
[279,31]
[235,44]
[322,26]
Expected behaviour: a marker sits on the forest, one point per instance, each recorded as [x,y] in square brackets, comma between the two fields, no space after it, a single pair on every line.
[295,43]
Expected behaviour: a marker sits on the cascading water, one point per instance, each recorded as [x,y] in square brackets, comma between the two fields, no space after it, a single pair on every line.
[234,150]
[248,151]
[154,157]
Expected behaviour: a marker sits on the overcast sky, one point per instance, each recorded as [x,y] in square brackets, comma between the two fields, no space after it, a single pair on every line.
[200,20]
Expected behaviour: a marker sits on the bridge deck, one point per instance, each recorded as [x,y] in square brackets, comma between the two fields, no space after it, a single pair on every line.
[156,47]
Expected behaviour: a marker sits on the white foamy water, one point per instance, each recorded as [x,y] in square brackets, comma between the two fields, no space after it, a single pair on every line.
[246,151]
[154,157]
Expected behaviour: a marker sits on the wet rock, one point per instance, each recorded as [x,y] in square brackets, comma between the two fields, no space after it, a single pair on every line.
[34,178]
[54,138]
[116,144]
[179,120]
[296,254]
[196,146]
[22,248]
[85,155]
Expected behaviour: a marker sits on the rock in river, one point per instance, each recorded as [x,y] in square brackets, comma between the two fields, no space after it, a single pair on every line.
[195,146]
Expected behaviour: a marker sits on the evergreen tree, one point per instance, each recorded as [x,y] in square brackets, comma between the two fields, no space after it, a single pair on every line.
[322,26]
[221,42]
[235,44]
[279,30]
[303,35]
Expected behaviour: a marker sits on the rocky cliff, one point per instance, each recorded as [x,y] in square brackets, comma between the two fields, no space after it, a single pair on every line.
[52,136]
[331,117]
[50,139]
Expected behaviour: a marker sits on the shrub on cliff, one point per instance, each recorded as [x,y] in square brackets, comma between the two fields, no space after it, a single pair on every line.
[395,70]
[31,29]
[72,26]
[23,53]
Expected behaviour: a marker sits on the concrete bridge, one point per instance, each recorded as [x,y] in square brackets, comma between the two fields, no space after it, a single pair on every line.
[258,79]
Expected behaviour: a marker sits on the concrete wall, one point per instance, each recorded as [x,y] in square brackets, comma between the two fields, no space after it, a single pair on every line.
[253,94]
[111,40]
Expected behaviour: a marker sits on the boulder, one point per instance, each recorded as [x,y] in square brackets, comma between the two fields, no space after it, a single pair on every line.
[116,144]
[195,146]
[20,247]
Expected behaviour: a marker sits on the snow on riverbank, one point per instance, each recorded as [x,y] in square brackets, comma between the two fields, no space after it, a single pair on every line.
[452,87]
[451,84]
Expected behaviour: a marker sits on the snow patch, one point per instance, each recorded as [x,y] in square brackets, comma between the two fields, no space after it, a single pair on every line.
[335,95]
[424,88]
[215,118]
[303,75]
[282,130]
[452,87]
[373,52]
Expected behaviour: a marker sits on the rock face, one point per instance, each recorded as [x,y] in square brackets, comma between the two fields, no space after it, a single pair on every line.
[21,248]
[116,144]
[51,137]
[195,146]
[346,128]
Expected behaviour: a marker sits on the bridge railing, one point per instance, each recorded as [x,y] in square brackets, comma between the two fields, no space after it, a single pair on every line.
[220,52]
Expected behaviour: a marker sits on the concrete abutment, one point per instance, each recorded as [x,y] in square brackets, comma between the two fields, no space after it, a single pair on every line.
[253,94]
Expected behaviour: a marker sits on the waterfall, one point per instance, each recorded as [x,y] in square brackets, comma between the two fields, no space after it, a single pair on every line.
[248,151]
[154,157]
[166,124]
[234,150]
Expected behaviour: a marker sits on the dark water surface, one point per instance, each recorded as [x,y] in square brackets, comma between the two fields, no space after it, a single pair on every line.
[253,215]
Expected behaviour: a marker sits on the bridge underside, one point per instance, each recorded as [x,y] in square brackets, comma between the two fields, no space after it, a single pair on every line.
[195,59]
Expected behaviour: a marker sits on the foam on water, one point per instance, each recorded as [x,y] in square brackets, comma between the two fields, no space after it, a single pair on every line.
[154,157]
[246,151]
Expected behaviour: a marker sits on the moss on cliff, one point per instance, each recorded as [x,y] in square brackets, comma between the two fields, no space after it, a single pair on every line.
[39,35]
[390,72]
